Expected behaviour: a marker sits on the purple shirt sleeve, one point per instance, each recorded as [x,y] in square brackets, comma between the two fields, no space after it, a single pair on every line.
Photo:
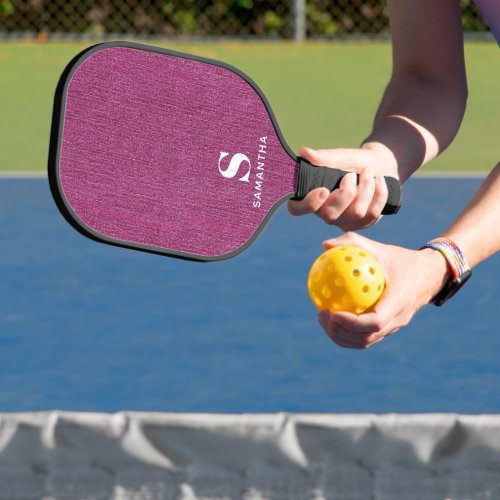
[490,9]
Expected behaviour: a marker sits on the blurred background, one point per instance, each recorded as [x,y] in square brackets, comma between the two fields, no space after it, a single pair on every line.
[324,91]
[283,19]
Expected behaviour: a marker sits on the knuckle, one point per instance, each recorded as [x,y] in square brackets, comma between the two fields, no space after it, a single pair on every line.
[330,216]
[358,211]
[373,339]
[373,213]
[378,325]
[330,219]
[406,320]
[349,190]
[365,344]
[369,222]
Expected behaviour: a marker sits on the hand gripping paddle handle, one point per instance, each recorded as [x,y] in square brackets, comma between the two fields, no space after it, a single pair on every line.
[312,177]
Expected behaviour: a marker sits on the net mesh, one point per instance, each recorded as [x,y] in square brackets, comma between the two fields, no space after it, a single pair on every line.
[205,18]
[155,456]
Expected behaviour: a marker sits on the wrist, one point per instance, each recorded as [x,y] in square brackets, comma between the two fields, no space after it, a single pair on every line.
[386,156]
[437,272]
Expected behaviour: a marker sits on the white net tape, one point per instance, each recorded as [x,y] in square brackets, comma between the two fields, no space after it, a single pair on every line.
[160,456]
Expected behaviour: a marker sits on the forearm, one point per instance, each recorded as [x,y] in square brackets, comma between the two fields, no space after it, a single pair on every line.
[416,120]
[424,103]
[477,230]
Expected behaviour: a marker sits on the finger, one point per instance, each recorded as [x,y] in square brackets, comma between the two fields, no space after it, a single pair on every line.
[365,191]
[353,341]
[348,338]
[312,156]
[362,324]
[345,344]
[380,196]
[311,203]
[366,209]
[362,340]
[378,323]
[342,341]
[338,201]
[338,334]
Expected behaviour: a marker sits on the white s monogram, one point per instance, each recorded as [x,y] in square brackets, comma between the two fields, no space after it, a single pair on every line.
[234,166]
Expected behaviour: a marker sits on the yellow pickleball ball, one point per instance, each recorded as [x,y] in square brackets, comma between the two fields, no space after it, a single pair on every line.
[346,278]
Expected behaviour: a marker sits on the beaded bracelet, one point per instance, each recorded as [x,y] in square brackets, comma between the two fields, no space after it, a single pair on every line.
[460,269]
[452,254]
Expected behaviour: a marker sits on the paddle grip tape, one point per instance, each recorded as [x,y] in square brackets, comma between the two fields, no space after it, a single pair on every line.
[312,177]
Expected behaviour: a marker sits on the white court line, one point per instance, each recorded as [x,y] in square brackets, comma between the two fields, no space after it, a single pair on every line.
[454,174]
[23,175]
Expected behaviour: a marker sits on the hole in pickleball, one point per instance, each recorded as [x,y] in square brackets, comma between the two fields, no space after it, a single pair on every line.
[346,299]
[360,309]
[317,300]
[379,287]
[362,254]
[327,293]
[356,273]
[339,281]
[317,276]
[366,289]
[348,258]
[372,270]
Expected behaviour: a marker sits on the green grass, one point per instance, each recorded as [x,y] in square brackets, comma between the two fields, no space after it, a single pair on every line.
[323,94]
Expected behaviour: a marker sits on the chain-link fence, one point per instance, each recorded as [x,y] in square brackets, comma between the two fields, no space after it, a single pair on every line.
[206,18]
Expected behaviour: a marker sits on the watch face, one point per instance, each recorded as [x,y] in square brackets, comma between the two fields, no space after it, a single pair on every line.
[451,288]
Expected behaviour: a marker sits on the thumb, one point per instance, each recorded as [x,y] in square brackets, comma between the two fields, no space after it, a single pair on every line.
[339,158]
[311,155]
[349,238]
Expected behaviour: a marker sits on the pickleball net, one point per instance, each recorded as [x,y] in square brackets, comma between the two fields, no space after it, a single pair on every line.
[159,456]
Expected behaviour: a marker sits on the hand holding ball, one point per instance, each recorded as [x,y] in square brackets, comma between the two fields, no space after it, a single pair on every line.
[346,278]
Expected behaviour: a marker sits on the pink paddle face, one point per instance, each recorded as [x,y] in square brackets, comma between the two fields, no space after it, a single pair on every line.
[159,151]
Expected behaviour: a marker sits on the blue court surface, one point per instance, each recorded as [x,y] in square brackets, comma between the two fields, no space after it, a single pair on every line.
[91,327]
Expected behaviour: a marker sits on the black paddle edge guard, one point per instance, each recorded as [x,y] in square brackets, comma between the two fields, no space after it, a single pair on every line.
[312,177]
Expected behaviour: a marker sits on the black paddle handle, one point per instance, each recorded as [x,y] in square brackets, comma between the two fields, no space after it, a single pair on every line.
[312,177]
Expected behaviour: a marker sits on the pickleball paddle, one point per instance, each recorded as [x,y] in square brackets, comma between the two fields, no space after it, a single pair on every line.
[171,153]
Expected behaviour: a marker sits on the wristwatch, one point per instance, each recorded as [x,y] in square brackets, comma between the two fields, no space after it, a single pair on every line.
[460,270]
